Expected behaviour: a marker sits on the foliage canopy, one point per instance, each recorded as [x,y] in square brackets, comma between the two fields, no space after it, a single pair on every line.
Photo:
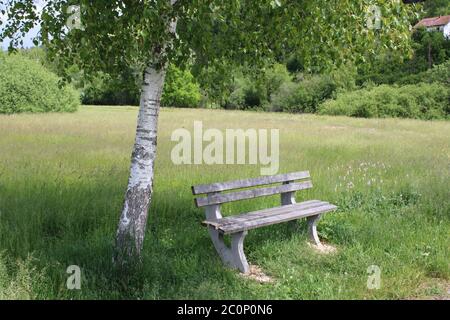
[118,33]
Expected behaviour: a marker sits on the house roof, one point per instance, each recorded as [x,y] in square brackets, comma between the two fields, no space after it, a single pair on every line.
[433,22]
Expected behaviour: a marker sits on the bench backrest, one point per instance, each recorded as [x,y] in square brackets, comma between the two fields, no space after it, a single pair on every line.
[214,196]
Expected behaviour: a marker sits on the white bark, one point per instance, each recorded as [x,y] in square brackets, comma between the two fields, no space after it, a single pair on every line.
[133,220]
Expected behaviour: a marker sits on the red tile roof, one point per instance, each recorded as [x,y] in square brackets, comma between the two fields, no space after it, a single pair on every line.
[433,22]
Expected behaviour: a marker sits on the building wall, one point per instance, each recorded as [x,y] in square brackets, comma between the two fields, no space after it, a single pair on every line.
[447,31]
[444,29]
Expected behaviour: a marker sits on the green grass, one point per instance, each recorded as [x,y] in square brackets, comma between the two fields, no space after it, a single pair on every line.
[63,177]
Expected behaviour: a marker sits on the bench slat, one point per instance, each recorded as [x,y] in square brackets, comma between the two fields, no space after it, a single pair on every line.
[270,212]
[274,219]
[246,183]
[250,194]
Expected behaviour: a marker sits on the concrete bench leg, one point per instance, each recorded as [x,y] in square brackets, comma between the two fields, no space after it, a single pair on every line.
[312,229]
[233,257]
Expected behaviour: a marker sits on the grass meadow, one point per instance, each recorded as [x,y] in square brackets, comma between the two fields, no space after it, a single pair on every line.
[63,178]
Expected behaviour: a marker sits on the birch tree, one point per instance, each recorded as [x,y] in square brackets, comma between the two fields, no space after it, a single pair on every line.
[108,35]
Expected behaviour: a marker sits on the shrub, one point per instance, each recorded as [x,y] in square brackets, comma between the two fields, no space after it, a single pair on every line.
[285,99]
[304,96]
[311,90]
[244,94]
[181,89]
[253,89]
[439,73]
[106,90]
[422,101]
[236,99]
[275,77]
[294,64]
[344,77]
[254,96]
[26,86]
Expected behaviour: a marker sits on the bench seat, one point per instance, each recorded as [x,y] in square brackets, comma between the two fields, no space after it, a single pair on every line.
[266,217]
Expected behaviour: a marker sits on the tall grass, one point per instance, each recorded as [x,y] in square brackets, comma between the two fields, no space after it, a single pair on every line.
[63,176]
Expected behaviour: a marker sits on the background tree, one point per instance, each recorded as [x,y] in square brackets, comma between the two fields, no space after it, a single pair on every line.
[431,46]
[146,34]
[434,8]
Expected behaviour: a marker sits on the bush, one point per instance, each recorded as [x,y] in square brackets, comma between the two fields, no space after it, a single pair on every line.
[294,64]
[304,96]
[243,94]
[344,77]
[26,86]
[253,89]
[106,90]
[275,77]
[422,101]
[236,99]
[311,90]
[180,89]
[439,73]
[285,99]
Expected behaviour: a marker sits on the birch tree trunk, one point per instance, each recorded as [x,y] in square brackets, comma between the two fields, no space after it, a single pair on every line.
[133,220]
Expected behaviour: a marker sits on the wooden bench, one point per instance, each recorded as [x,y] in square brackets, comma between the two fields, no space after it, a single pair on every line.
[237,226]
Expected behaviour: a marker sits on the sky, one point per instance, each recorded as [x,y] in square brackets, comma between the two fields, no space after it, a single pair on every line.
[28,40]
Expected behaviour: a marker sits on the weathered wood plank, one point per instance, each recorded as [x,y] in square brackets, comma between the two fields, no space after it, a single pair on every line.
[275,219]
[270,212]
[246,183]
[216,223]
[253,224]
[249,194]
